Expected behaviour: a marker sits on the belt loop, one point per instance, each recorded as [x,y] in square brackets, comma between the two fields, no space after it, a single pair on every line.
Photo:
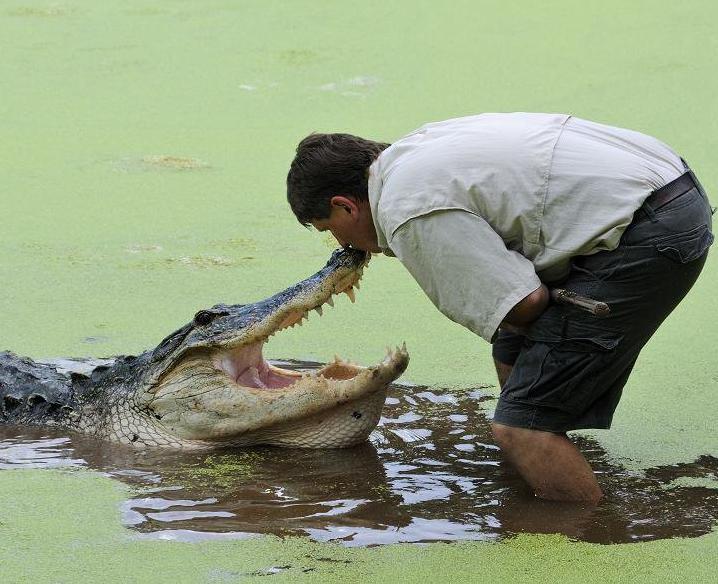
[648,210]
[698,184]
[689,170]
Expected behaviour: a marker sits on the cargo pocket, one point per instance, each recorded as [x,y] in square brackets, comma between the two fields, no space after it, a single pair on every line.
[687,246]
[562,363]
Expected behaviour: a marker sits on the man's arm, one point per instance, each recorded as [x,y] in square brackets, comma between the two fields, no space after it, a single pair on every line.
[466,269]
[527,310]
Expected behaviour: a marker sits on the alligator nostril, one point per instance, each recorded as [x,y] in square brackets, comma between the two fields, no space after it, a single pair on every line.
[356,415]
[204,317]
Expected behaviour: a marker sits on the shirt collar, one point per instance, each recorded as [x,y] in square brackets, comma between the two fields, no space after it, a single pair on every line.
[374,185]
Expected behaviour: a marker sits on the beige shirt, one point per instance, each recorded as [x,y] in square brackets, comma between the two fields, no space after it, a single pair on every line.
[481,209]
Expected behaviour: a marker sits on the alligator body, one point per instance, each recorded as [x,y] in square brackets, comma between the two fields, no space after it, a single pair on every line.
[208,385]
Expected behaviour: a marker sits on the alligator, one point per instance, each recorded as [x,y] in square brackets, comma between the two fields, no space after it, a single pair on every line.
[208,385]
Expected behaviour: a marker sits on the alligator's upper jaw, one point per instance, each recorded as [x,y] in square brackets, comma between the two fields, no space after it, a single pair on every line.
[244,363]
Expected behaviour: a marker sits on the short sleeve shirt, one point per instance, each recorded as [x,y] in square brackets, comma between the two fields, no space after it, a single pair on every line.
[482,209]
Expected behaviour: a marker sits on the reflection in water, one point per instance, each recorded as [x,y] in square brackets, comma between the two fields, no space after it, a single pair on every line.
[22,452]
[430,473]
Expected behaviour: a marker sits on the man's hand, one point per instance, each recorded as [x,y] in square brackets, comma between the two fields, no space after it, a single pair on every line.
[526,311]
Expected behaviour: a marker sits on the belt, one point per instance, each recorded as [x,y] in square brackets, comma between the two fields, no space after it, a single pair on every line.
[672,190]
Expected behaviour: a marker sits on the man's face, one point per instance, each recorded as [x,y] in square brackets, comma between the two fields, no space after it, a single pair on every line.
[350,223]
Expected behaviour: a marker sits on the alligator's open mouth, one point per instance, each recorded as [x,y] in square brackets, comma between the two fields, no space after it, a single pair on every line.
[248,368]
[217,385]
[245,364]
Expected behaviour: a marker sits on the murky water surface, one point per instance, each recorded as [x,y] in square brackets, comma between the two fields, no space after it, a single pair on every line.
[430,473]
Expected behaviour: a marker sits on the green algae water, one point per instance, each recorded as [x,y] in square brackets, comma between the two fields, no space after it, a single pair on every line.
[143,159]
[430,473]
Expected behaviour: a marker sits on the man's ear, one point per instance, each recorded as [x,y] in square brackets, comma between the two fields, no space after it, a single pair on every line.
[344,203]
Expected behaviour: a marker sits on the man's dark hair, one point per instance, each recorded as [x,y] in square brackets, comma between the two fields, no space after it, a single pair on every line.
[328,165]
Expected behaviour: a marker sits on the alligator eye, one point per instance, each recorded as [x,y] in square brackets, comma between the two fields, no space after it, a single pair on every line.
[204,317]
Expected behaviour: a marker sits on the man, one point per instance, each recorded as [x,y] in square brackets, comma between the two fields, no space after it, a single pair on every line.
[487,212]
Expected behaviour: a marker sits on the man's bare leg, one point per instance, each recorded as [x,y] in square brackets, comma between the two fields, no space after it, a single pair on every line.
[550,463]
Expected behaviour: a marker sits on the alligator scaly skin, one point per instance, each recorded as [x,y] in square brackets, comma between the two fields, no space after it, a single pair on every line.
[99,403]
[33,393]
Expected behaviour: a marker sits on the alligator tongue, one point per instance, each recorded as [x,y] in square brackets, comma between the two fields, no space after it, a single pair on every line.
[250,378]
[263,377]
[248,368]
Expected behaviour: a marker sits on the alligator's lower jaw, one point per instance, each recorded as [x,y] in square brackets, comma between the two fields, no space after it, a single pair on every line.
[341,426]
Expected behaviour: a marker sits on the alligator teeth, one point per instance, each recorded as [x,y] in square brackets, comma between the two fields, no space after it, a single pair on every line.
[318,310]
[356,285]
[350,292]
[330,302]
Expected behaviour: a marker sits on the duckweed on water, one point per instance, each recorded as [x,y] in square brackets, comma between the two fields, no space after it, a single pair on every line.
[182,85]
[226,470]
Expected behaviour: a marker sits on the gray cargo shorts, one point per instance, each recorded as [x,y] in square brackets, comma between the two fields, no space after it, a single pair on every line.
[570,368]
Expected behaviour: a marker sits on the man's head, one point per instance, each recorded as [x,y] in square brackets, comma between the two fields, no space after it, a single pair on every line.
[327,187]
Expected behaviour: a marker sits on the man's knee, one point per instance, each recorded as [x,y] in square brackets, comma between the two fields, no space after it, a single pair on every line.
[549,462]
[507,436]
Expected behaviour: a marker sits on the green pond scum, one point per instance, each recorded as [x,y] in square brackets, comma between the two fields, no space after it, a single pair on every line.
[47,538]
[224,469]
[145,148]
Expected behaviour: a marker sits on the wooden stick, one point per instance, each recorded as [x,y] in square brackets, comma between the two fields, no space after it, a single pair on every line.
[561,296]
